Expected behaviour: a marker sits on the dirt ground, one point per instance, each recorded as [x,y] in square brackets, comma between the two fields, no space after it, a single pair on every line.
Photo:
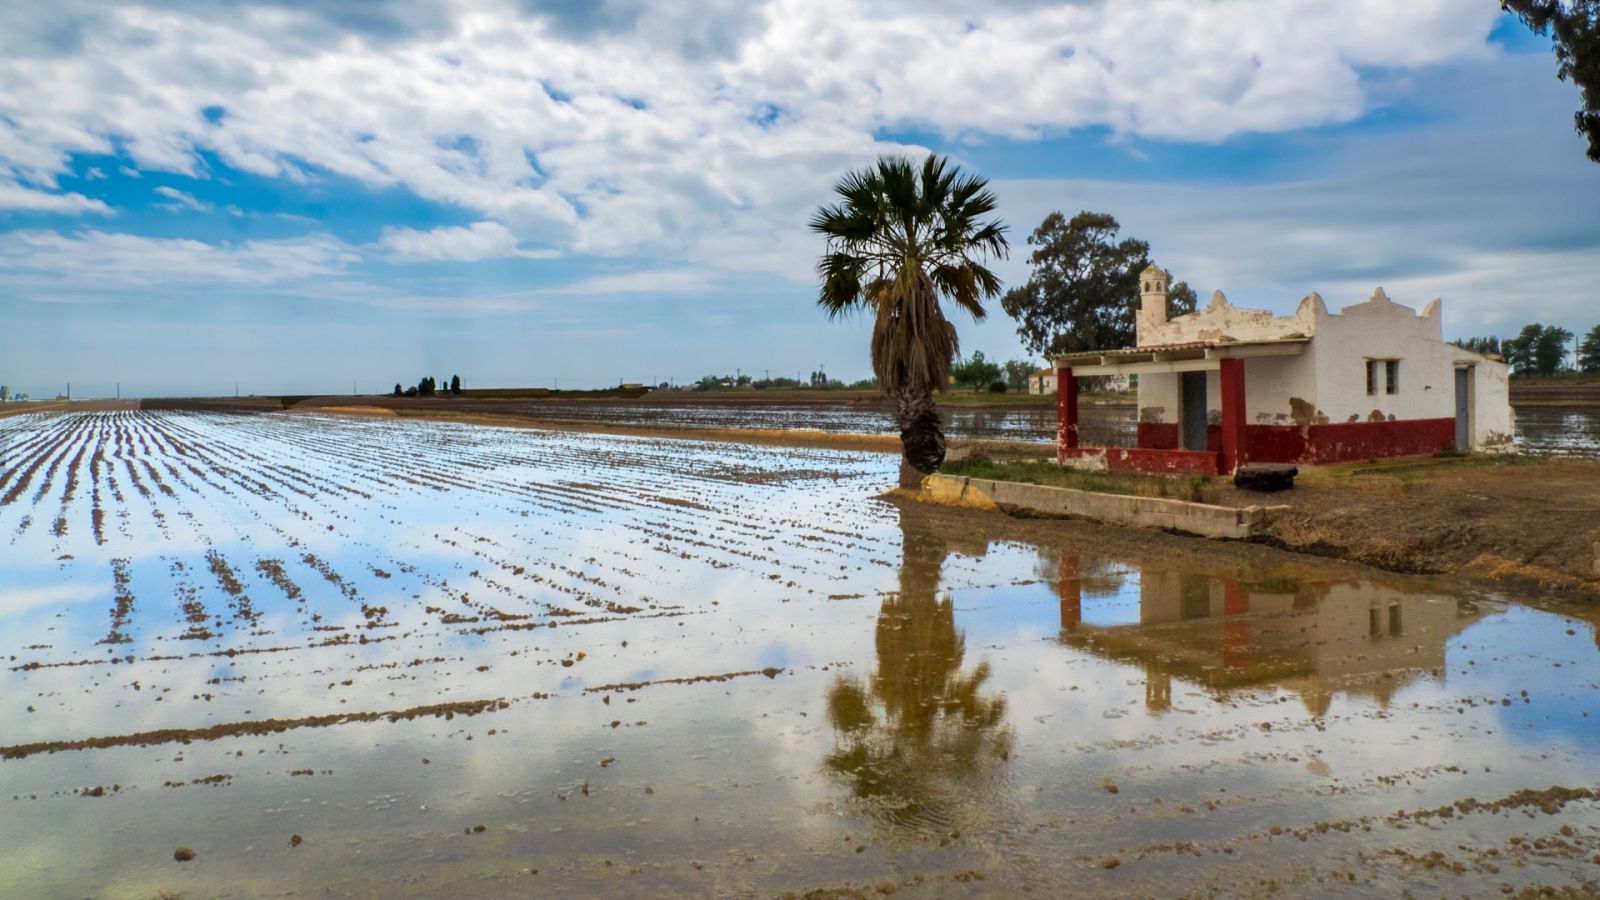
[1511,521]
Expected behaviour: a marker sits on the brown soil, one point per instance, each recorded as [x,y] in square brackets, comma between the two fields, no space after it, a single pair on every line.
[770,672]
[1509,521]
[258,727]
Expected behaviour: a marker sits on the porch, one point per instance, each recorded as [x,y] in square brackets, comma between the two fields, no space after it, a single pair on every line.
[1194,445]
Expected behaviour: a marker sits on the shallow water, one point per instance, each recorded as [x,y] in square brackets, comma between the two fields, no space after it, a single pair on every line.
[653,667]
[1539,430]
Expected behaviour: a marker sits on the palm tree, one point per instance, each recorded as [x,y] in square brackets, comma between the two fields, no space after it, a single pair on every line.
[898,241]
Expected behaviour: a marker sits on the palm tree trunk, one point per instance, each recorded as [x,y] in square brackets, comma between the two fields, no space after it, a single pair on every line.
[921,438]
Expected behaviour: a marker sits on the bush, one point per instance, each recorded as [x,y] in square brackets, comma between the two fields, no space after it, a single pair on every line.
[999,387]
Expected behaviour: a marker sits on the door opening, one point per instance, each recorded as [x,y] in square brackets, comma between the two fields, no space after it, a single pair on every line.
[1463,408]
[1192,414]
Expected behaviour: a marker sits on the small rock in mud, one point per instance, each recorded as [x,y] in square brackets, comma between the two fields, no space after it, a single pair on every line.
[771,671]
[1111,863]
[1110,788]
[183,854]
[296,840]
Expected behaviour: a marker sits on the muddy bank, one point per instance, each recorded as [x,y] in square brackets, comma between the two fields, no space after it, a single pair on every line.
[1512,522]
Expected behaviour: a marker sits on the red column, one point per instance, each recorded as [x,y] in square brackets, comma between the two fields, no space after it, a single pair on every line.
[1234,434]
[1066,412]
[1071,590]
[1236,627]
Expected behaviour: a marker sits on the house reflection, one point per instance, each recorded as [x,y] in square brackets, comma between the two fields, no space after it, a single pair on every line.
[920,741]
[1225,632]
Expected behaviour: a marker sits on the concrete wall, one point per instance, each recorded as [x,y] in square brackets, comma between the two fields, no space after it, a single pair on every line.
[1275,386]
[1380,329]
[1327,385]
[1221,320]
[1201,519]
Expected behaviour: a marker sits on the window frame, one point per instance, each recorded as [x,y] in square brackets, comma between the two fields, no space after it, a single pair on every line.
[1391,377]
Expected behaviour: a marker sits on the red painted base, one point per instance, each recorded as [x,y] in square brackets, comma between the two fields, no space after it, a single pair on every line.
[1320,444]
[1148,461]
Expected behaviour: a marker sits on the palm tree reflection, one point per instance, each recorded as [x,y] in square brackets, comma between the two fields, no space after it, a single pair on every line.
[920,740]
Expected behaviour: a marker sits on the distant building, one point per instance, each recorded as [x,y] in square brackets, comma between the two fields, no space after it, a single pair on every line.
[5,393]
[1224,386]
[1044,382]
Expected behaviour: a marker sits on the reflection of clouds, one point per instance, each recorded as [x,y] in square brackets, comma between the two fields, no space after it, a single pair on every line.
[953,697]
[29,599]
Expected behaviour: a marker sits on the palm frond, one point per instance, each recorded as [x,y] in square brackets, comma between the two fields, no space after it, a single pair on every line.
[900,239]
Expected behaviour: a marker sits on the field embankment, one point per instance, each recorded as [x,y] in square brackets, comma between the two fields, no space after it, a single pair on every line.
[1570,392]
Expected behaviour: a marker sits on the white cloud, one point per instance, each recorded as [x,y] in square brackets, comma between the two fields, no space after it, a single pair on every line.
[627,126]
[15,196]
[480,240]
[180,200]
[698,140]
[40,260]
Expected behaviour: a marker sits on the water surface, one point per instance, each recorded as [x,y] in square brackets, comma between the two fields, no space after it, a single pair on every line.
[661,667]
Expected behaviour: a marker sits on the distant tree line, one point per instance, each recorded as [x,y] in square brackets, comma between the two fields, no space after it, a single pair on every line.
[817,380]
[428,387]
[1541,350]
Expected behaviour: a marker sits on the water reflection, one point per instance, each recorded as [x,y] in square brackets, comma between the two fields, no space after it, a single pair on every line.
[921,737]
[1230,631]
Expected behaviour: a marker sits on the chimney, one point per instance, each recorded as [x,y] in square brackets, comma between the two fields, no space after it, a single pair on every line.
[1152,304]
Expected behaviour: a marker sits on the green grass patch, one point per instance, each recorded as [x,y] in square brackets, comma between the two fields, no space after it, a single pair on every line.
[1193,488]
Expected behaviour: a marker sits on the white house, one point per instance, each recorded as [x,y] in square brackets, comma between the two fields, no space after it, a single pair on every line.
[1223,385]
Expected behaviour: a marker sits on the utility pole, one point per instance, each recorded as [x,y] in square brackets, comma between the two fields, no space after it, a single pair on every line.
[119,390]
[236,388]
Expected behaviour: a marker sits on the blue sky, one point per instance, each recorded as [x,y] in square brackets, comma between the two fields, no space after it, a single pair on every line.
[304,197]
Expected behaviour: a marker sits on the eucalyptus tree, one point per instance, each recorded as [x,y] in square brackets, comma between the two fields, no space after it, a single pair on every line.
[901,240]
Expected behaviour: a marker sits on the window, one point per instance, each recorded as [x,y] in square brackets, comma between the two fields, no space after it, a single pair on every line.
[1391,376]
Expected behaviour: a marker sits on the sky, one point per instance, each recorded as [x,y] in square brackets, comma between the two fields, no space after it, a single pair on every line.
[305,197]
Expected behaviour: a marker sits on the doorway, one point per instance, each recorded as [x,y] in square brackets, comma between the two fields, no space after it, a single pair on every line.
[1192,410]
[1464,408]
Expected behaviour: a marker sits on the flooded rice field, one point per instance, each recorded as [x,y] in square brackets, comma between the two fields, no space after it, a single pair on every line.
[1111,424]
[1573,431]
[253,655]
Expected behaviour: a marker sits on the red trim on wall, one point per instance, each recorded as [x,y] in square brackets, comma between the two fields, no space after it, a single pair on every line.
[1150,462]
[1320,444]
[1363,440]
